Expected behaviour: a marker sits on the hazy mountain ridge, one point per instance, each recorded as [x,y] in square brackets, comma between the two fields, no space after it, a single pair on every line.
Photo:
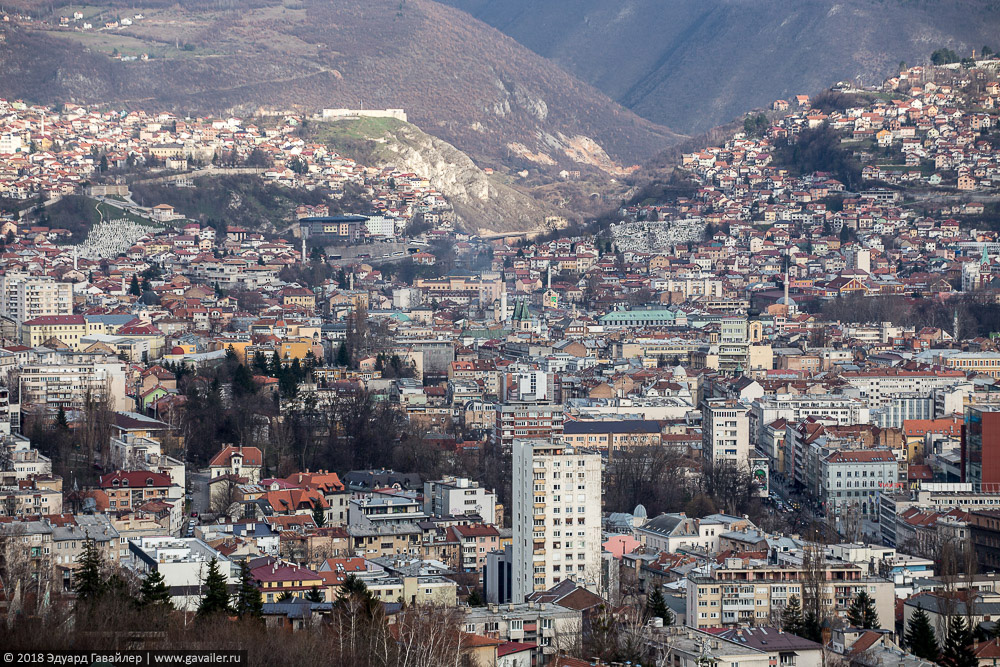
[693,65]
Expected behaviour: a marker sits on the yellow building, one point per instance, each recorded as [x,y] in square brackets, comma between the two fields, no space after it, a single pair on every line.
[294,349]
[986,363]
[298,296]
[67,328]
[275,578]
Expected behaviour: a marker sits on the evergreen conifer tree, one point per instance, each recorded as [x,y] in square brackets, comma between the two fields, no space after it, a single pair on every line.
[243,384]
[249,602]
[791,616]
[216,598]
[133,287]
[314,595]
[318,516]
[61,422]
[354,588]
[811,629]
[274,367]
[957,651]
[920,638]
[862,613]
[154,591]
[656,605]
[474,599]
[89,580]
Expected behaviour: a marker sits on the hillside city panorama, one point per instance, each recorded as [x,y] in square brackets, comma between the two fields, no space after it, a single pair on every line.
[287,384]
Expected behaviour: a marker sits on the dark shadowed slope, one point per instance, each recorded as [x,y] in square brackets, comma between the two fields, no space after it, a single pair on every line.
[693,64]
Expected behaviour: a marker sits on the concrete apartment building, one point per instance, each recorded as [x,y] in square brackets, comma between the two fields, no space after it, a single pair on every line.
[128,490]
[24,297]
[68,329]
[841,410]
[726,431]
[674,531]
[935,496]
[32,498]
[458,497]
[754,647]
[549,627]
[527,421]
[67,379]
[183,564]
[742,592]
[380,511]
[556,516]
[612,434]
[878,386]
[739,348]
[854,479]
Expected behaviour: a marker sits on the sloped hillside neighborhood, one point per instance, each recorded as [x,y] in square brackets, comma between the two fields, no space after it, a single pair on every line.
[755,421]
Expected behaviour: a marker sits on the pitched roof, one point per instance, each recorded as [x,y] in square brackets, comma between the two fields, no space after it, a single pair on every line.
[50,320]
[134,478]
[251,456]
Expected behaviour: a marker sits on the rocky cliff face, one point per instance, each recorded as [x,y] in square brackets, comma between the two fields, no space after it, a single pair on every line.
[482,204]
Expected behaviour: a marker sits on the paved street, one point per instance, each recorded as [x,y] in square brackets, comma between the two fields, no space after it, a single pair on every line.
[199,492]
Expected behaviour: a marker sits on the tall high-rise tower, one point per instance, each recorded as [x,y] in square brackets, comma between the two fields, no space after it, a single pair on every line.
[556,515]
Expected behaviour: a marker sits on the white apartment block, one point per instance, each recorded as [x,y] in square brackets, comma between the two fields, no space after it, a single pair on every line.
[878,387]
[66,383]
[840,410]
[740,593]
[379,225]
[24,297]
[856,479]
[459,497]
[24,461]
[726,431]
[556,515]
[691,286]
[902,407]
[183,562]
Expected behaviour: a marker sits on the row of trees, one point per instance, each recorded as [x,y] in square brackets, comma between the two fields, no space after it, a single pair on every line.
[659,479]
[974,312]
[809,623]
[112,608]
[945,56]
[957,650]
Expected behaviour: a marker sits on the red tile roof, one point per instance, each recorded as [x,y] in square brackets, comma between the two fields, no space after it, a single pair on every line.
[134,479]
[507,648]
[251,456]
[49,320]
[862,456]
